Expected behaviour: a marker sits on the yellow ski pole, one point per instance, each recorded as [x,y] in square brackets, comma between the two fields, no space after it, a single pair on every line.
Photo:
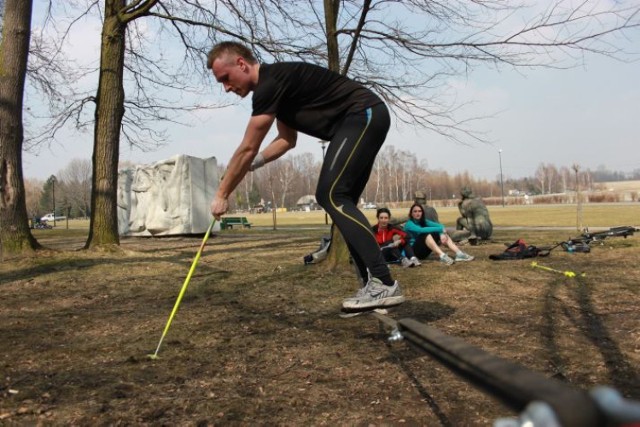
[182,291]
[566,273]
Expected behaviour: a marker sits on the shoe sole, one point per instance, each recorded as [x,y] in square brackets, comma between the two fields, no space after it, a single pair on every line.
[384,302]
[358,313]
[464,260]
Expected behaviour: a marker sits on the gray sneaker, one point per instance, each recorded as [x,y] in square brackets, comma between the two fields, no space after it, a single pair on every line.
[461,257]
[361,292]
[415,261]
[446,259]
[376,294]
[406,263]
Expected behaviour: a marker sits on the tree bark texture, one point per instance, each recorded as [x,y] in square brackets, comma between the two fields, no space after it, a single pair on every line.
[338,256]
[103,229]
[331,18]
[15,235]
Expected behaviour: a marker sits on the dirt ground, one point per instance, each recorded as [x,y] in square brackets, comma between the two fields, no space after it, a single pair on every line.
[258,339]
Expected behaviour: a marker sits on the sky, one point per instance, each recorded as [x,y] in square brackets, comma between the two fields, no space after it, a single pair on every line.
[586,115]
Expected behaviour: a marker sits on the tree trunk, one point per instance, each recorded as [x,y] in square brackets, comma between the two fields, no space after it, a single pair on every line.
[15,236]
[331,18]
[103,229]
[246,192]
[338,255]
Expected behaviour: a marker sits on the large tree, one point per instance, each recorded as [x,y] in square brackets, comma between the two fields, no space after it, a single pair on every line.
[135,79]
[108,119]
[409,51]
[15,235]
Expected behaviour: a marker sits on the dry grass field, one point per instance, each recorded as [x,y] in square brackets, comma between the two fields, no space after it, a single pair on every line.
[258,339]
[620,186]
[596,215]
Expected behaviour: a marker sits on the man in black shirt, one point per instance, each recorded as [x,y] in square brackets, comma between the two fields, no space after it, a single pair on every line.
[321,103]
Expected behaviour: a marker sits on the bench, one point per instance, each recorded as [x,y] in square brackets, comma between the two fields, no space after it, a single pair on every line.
[230,221]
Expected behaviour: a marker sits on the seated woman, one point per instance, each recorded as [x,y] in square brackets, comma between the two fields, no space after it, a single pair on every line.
[393,241]
[426,236]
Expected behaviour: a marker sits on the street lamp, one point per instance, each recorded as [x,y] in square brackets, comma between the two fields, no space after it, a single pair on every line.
[324,144]
[501,180]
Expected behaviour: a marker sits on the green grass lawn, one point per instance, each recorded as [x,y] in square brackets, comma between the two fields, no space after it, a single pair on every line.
[594,216]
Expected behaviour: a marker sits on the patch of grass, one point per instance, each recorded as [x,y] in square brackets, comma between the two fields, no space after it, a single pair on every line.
[617,186]
[594,215]
[600,215]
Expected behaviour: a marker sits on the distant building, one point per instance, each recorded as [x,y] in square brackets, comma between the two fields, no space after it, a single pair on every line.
[307,203]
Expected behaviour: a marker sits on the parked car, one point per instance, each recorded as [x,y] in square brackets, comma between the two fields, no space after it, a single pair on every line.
[370,206]
[50,217]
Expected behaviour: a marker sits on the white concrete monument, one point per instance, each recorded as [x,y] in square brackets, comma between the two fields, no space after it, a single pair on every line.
[169,197]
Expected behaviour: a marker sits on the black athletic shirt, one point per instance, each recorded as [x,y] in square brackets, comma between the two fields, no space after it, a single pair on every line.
[309,98]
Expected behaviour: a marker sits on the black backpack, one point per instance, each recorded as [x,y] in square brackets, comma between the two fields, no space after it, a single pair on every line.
[575,246]
[518,250]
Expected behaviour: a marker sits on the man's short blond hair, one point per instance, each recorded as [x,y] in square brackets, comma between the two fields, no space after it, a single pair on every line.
[230,47]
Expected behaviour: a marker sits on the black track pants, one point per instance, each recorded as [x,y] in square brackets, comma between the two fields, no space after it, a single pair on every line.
[345,172]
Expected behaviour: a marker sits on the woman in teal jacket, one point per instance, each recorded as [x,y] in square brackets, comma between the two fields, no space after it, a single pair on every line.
[426,236]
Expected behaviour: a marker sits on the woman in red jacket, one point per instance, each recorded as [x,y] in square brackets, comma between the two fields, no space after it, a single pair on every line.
[393,241]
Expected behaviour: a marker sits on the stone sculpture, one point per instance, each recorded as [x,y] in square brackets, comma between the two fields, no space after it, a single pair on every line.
[169,197]
[475,216]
